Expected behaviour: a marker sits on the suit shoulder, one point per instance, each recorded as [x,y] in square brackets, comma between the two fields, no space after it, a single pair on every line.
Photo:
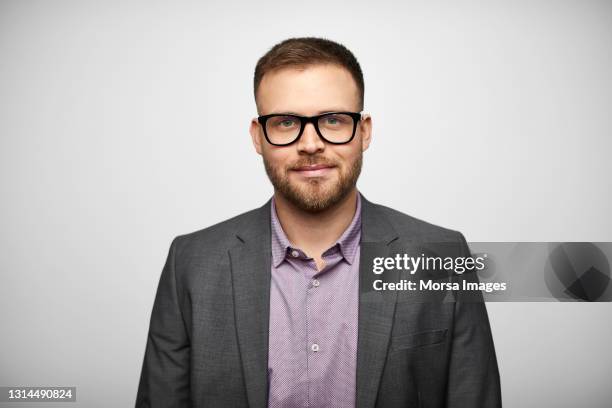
[220,235]
[407,225]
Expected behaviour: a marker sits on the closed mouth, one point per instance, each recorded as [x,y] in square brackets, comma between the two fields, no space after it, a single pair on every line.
[313,167]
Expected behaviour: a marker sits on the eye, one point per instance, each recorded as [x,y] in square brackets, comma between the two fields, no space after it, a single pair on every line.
[284,122]
[335,120]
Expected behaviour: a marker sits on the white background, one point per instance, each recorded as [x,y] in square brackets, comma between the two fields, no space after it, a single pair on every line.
[124,124]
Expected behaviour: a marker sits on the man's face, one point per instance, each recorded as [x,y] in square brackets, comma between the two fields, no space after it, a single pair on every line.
[311,173]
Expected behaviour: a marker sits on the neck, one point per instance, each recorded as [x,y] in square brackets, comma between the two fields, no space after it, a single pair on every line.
[315,232]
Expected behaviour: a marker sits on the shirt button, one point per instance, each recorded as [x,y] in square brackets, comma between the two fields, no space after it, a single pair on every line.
[314,347]
[295,253]
[315,283]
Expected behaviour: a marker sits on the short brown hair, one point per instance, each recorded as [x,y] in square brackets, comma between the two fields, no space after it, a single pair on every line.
[305,51]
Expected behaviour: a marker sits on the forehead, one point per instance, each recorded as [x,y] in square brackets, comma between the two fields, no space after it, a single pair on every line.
[308,90]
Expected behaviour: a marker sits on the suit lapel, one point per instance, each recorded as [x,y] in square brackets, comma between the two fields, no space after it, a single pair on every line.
[250,266]
[376,308]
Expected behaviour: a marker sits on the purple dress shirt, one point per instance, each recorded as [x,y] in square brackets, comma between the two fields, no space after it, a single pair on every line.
[313,322]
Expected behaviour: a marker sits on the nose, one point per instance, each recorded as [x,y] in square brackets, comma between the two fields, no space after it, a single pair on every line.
[310,142]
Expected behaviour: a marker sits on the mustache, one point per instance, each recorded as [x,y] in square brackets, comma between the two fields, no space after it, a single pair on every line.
[312,161]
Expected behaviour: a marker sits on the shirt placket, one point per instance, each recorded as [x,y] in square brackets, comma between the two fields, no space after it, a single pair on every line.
[312,346]
[317,351]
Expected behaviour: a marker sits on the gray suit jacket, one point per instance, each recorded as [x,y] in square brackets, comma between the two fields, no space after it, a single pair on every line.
[208,338]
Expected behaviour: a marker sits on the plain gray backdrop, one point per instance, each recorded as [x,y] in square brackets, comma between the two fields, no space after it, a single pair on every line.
[124,124]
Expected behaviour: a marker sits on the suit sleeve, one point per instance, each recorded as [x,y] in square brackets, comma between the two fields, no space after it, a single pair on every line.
[164,380]
[473,377]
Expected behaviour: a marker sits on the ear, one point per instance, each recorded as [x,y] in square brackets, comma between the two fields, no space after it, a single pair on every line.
[365,129]
[255,131]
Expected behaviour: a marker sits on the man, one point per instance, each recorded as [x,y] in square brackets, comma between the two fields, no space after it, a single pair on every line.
[276,307]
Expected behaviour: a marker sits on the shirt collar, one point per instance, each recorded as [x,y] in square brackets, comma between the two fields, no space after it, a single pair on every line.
[348,241]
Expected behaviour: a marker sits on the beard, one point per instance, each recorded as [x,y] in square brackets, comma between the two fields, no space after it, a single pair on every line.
[315,194]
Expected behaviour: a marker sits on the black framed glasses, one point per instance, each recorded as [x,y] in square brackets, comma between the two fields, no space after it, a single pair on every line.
[282,129]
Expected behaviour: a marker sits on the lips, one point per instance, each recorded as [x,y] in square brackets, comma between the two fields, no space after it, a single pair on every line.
[314,170]
[313,167]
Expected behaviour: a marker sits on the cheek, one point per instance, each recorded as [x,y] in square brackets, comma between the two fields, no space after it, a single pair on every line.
[278,158]
[348,155]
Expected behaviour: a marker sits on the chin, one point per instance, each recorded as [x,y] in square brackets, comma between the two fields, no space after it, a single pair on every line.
[315,197]
[315,186]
